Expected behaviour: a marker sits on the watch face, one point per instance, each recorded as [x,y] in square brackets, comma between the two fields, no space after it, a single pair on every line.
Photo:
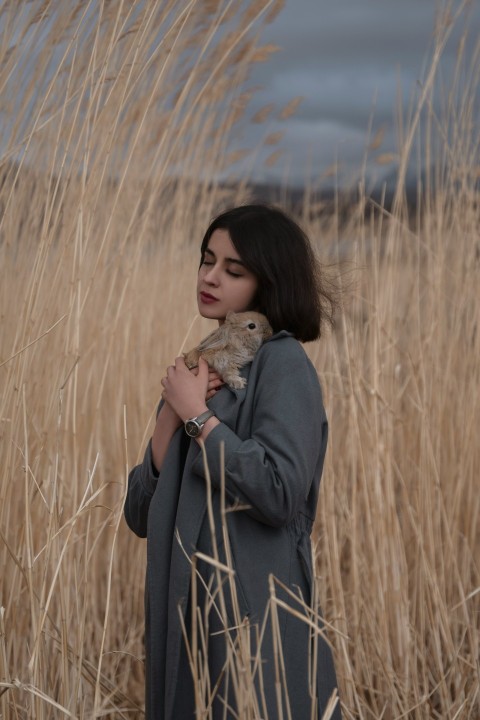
[192,428]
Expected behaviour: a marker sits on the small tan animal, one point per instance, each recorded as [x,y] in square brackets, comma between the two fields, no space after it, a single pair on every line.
[232,345]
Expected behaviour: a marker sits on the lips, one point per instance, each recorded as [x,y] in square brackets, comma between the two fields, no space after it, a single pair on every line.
[207,298]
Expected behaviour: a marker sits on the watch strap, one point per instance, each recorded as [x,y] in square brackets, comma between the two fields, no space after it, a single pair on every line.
[194,426]
[202,419]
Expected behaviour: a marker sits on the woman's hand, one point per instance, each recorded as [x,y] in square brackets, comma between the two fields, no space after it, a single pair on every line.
[215,382]
[186,391]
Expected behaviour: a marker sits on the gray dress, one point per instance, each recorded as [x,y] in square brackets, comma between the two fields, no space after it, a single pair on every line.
[274,433]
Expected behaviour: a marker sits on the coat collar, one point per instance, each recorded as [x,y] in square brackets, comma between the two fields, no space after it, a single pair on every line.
[280,334]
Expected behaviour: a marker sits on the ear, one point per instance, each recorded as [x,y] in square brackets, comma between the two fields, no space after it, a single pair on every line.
[230,316]
[216,340]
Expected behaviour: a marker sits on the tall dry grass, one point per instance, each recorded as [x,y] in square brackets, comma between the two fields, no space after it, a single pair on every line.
[104,104]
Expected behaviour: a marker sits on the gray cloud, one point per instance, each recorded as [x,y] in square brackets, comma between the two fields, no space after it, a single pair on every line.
[350,60]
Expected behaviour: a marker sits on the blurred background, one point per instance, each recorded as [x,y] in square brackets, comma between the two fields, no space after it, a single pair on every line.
[358,68]
[124,128]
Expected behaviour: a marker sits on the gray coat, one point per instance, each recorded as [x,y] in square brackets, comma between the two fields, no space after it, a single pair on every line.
[275,434]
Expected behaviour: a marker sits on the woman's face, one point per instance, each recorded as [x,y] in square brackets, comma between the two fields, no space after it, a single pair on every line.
[224,283]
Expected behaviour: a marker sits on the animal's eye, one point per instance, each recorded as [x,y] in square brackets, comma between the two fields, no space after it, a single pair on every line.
[251,326]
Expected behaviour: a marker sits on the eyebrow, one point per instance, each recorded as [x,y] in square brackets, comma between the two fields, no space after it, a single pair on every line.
[230,260]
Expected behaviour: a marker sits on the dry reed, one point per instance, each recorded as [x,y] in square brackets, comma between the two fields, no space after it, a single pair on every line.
[104,104]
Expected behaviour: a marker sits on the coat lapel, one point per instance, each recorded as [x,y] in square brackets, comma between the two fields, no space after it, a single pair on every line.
[192,504]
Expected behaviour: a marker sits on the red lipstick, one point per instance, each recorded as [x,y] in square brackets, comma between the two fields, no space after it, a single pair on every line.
[207,298]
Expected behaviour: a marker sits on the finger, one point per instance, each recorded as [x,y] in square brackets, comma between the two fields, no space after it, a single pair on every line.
[180,362]
[203,368]
[164,381]
[215,384]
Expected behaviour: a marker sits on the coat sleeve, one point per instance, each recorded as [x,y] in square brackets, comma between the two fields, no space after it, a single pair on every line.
[142,482]
[273,470]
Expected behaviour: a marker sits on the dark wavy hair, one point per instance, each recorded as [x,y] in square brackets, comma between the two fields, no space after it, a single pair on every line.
[292,290]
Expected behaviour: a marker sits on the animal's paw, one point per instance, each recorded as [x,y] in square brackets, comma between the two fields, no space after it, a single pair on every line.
[191,359]
[236,382]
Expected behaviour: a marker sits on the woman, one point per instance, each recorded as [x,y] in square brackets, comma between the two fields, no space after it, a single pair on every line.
[274,434]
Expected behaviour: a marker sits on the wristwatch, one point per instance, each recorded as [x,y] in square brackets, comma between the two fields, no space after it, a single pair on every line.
[194,426]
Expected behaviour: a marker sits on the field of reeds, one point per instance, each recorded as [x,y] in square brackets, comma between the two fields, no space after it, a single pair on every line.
[115,123]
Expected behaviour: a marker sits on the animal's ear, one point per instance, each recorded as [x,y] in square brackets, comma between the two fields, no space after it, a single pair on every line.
[216,340]
[230,316]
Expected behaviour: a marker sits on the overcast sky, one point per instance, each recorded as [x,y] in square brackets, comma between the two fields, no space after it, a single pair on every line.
[348,59]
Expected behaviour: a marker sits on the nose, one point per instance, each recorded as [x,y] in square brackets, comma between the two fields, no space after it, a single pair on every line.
[211,277]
